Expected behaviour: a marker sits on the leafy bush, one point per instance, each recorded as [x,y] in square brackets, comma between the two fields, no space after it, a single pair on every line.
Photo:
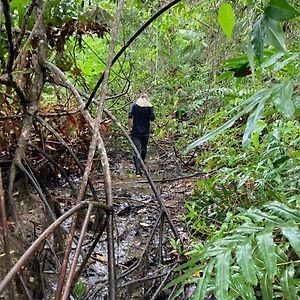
[257,259]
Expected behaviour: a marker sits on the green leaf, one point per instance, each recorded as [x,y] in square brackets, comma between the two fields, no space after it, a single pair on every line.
[251,123]
[248,229]
[258,215]
[222,275]
[259,35]
[283,99]
[244,259]
[281,10]
[182,278]
[266,286]
[272,60]
[261,95]
[292,233]
[276,36]
[260,126]
[266,248]
[232,239]
[225,75]
[202,284]
[287,283]
[226,19]
[282,64]
[238,284]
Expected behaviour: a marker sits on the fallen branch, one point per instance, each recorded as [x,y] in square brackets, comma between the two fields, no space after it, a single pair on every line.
[37,243]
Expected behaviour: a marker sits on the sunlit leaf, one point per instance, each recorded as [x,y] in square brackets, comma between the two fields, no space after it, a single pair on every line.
[226,19]
[225,75]
[280,65]
[272,60]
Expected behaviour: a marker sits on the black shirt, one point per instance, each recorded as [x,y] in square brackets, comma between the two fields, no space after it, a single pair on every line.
[141,115]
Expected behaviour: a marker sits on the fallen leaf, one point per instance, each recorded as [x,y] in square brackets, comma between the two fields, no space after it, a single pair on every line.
[99,257]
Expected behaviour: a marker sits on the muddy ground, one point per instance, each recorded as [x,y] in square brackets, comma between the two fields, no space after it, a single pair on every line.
[136,213]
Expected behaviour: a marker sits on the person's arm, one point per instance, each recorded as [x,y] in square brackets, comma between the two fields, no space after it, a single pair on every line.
[152,115]
[130,122]
[130,119]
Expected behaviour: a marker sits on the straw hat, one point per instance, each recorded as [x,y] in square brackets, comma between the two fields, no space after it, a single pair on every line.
[143,101]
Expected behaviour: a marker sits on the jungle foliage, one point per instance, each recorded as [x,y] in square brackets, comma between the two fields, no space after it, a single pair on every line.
[224,80]
[246,211]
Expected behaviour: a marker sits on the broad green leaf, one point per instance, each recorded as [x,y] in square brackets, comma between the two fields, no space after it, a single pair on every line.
[287,283]
[272,60]
[283,99]
[238,284]
[226,19]
[20,5]
[280,65]
[251,123]
[182,278]
[225,75]
[248,229]
[292,233]
[215,251]
[244,259]
[258,215]
[222,275]
[281,10]
[261,95]
[233,239]
[266,286]
[259,35]
[284,210]
[266,248]
[235,62]
[202,284]
[276,36]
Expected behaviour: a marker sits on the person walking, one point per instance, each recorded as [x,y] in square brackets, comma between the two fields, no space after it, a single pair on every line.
[139,117]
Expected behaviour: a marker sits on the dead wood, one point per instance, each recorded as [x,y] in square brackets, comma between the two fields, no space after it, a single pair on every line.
[35,246]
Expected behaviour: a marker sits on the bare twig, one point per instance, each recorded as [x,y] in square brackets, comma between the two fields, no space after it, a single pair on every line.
[162,284]
[37,243]
[69,280]
[7,15]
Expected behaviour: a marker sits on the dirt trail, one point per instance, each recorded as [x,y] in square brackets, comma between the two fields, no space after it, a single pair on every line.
[144,255]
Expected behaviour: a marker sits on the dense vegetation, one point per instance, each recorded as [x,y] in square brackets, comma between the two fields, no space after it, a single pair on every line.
[224,80]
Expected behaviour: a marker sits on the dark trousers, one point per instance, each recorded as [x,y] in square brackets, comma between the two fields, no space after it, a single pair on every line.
[141,143]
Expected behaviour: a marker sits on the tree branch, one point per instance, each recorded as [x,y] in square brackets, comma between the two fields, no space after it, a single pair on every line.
[130,41]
